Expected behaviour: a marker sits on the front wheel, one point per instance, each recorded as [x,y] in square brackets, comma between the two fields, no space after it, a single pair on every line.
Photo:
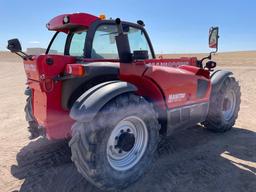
[117,148]
[32,123]
[224,107]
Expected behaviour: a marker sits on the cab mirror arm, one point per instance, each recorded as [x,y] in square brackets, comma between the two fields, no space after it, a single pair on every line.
[23,55]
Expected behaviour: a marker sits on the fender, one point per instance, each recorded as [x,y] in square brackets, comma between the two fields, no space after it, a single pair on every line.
[217,79]
[87,105]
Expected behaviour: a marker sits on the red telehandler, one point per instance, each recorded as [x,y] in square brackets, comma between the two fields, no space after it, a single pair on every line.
[100,85]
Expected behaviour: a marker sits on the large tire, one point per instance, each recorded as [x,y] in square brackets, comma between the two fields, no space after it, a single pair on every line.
[224,107]
[90,142]
[32,123]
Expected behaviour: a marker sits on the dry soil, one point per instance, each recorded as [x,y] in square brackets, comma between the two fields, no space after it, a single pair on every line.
[190,160]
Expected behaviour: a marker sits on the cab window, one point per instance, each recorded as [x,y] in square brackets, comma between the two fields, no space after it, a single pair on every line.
[104,43]
[75,40]
[138,41]
[58,44]
[77,44]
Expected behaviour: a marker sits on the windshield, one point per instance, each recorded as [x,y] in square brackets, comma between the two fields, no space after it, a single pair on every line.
[104,43]
[68,44]
[76,47]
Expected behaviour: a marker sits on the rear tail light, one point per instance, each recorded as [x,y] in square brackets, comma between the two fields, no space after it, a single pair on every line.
[75,70]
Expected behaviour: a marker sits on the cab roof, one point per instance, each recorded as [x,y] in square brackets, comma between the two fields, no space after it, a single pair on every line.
[67,22]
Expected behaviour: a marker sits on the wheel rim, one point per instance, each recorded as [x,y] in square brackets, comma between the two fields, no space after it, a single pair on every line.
[229,105]
[127,143]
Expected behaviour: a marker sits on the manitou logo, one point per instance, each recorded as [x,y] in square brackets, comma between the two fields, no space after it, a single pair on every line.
[169,64]
[30,67]
[176,97]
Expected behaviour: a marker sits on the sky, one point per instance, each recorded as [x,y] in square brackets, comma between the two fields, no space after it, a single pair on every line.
[175,26]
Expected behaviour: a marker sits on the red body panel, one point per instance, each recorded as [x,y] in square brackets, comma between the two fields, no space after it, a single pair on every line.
[75,20]
[133,73]
[154,81]
[177,82]
[49,113]
[164,78]
[47,94]
[37,69]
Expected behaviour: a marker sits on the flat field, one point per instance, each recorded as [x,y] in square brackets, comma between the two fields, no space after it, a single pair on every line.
[190,160]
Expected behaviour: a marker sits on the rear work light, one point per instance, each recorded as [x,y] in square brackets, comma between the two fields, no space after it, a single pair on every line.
[65,20]
[76,70]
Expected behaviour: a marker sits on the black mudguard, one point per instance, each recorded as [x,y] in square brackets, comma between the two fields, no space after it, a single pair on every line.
[217,79]
[96,72]
[89,104]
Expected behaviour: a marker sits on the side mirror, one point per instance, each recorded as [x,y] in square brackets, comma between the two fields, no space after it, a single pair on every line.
[214,37]
[14,45]
[213,43]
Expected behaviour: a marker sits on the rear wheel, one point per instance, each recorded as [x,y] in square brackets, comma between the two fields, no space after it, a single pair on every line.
[116,148]
[224,107]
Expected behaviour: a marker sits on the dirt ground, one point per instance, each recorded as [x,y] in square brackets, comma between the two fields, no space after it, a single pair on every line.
[193,160]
